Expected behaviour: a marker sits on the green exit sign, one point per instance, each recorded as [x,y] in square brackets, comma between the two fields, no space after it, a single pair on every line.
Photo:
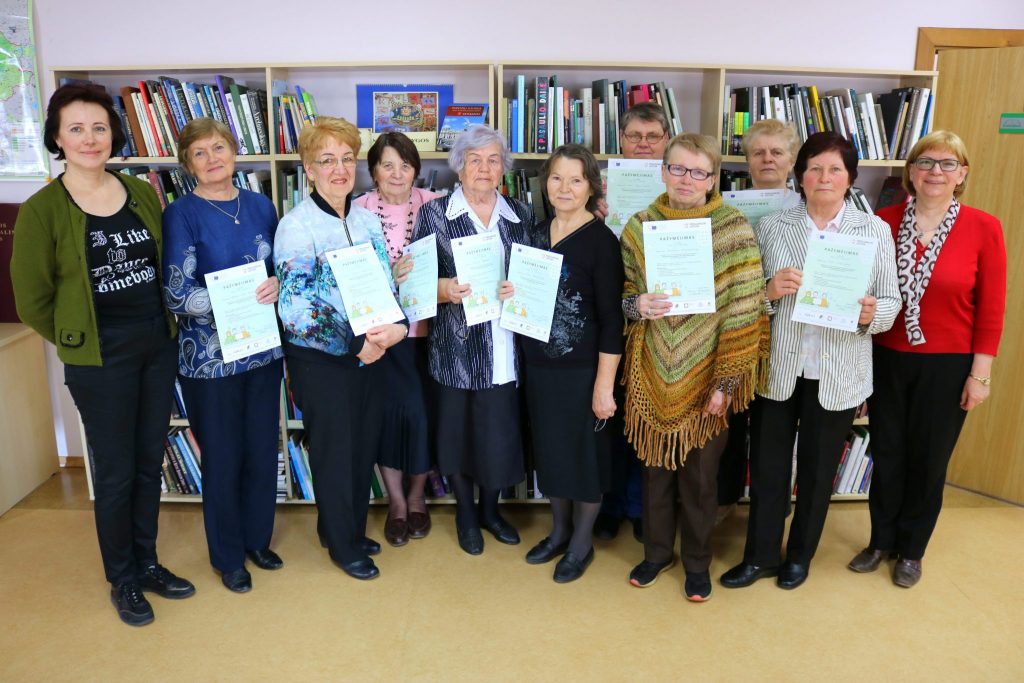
[1011,123]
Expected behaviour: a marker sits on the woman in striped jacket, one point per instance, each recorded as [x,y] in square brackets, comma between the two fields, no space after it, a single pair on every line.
[475,366]
[817,375]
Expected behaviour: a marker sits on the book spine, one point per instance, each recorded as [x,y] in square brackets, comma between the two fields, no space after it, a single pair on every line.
[179,466]
[158,148]
[543,111]
[129,149]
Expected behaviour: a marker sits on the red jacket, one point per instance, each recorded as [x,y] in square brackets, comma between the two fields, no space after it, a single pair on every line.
[962,308]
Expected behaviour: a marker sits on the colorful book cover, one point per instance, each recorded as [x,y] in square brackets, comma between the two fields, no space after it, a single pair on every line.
[411,108]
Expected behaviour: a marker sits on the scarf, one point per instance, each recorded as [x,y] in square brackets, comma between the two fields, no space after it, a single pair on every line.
[673,365]
[914,280]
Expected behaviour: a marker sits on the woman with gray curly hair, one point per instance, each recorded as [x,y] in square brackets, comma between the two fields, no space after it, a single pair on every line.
[475,367]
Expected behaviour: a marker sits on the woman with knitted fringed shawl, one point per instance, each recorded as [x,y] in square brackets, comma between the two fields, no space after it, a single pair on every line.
[683,373]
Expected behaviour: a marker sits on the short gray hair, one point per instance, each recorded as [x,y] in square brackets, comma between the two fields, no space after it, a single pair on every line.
[477,136]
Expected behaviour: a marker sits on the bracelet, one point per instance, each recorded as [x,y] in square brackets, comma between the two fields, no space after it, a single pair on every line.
[984,380]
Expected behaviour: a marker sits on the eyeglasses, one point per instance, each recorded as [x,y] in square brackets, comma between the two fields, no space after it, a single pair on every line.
[650,137]
[680,171]
[927,164]
[330,163]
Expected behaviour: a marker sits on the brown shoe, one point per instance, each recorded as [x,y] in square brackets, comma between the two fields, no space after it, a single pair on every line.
[396,531]
[906,572]
[867,560]
[419,524]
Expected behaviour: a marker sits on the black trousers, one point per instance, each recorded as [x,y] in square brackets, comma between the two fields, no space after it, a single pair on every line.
[916,420]
[126,407]
[773,429]
[342,408]
[235,421]
[732,469]
[693,491]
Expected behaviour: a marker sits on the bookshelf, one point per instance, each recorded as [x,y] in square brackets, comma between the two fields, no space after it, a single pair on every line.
[332,84]
[699,90]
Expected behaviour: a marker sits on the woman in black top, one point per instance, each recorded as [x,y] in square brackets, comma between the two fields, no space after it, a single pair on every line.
[569,379]
[86,274]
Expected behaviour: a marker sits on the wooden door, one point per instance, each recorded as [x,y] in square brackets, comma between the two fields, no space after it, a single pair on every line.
[975,87]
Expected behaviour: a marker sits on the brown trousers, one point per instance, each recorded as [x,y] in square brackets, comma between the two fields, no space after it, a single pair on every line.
[695,487]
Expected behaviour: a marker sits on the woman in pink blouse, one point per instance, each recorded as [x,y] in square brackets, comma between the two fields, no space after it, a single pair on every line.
[394,164]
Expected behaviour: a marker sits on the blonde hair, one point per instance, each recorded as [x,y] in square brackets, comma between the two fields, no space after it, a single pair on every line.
[314,138]
[786,131]
[200,129]
[699,144]
[939,139]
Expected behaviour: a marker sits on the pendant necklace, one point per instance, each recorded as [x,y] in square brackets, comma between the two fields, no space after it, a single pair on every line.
[238,207]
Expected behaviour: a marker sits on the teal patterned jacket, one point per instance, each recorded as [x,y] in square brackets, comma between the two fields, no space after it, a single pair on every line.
[309,304]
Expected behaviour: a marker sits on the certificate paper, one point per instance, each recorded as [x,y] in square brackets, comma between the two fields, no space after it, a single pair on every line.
[364,287]
[479,263]
[680,263]
[756,204]
[418,294]
[244,325]
[632,185]
[535,274]
[836,274]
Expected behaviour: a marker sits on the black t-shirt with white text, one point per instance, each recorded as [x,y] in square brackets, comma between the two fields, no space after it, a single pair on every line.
[122,267]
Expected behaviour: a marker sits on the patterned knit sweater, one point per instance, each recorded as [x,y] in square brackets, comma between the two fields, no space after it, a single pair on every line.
[675,364]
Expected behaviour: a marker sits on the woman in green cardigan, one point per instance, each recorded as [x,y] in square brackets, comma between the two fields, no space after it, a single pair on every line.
[86,275]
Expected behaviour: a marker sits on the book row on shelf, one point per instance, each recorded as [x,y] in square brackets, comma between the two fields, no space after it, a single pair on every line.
[881,128]
[545,115]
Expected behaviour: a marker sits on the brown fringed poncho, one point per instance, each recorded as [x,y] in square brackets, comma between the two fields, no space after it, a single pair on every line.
[674,365]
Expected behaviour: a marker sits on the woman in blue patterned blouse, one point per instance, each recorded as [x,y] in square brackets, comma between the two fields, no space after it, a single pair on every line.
[335,378]
[232,405]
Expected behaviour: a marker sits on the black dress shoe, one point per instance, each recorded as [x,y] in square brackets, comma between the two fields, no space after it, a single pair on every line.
[364,569]
[503,531]
[792,575]
[470,540]
[131,604]
[157,579]
[545,551]
[744,574]
[238,581]
[867,560]
[606,527]
[571,567]
[369,546]
[265,559]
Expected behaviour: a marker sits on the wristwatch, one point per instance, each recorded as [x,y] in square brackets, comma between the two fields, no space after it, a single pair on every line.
[984,380]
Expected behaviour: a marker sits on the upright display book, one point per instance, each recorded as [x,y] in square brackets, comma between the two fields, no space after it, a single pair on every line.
[8,215]
[410,109]
[457,118]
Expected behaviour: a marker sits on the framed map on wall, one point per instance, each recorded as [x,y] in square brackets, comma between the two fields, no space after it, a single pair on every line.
[22,155]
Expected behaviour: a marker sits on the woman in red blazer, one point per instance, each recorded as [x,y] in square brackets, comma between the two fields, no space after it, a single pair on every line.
[934,365]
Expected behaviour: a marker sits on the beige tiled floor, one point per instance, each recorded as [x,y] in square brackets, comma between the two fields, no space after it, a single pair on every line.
[438,614]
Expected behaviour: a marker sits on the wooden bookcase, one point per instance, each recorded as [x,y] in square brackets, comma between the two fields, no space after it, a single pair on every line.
[699,90]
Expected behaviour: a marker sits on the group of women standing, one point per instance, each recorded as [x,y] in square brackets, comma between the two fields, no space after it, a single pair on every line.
[100,274]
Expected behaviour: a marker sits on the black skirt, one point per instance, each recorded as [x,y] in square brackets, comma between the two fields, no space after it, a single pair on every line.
[404,443]
[478,435]
[573,461]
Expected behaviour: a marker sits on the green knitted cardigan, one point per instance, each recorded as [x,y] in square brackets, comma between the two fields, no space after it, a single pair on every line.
[673,365]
